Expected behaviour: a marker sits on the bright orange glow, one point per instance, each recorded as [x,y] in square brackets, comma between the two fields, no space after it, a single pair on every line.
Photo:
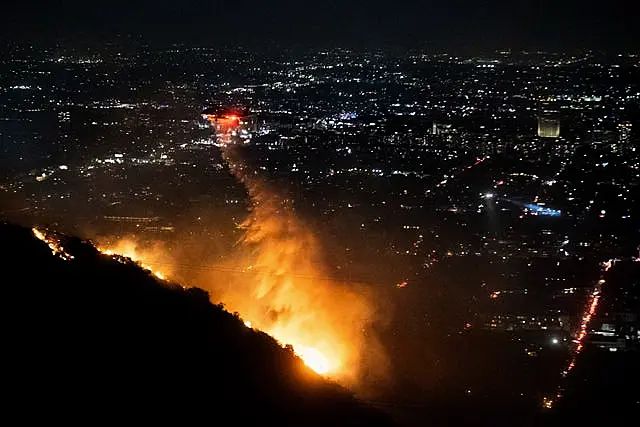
[315,360]
[39,234]
[223,123]
[276,281]
[53,243]
[147,258]
[284,291]
[281,292]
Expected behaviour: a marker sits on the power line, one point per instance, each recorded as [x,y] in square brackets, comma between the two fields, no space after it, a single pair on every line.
[238,271]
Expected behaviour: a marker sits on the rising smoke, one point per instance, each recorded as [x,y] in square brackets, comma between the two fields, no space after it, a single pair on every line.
[274,279]
[286,291]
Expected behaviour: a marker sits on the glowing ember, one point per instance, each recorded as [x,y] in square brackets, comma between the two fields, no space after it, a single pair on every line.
[128,249]
[53,243]
[314,359]
[39,234]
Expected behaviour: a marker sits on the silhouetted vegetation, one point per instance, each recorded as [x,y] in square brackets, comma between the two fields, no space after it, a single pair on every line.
[94,339]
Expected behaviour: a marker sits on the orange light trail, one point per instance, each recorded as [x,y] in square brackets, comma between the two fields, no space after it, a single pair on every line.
[590,311]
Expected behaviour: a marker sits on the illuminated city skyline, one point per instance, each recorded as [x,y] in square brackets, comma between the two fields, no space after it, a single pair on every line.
[401,220]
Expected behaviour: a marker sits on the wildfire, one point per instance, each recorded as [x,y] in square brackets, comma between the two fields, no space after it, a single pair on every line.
[275,280]
[279,293]
[283,292]
[53,243]
[286,293]
[127,248]
[310,356]
[315,360]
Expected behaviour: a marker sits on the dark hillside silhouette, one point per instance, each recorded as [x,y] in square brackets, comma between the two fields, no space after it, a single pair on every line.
[94,340]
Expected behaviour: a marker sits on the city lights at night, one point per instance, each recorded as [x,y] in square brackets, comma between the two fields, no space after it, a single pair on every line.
[356,213]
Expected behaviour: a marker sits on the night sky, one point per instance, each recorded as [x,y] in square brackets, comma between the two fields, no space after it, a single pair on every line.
[438,24]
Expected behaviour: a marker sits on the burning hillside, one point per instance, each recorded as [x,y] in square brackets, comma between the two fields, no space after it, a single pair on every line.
[106,335]
[275,280]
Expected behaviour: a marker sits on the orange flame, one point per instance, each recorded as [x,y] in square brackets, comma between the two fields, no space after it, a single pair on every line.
[147,258]
[281,286]
[53,243]
[282,291]
[287,293]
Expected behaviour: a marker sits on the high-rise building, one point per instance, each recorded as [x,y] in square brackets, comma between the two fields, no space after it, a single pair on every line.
[441,128]
[548,119]
[624,131]
[548,127]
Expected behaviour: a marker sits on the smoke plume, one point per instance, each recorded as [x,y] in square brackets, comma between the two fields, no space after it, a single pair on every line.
[274,279]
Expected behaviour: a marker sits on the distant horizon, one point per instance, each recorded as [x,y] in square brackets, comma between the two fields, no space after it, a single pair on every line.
[452,25]
[138,41]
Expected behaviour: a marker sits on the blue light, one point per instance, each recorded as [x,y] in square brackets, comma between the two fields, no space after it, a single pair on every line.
[541,210]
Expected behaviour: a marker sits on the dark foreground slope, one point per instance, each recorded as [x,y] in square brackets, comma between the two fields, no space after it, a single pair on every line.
[93,340]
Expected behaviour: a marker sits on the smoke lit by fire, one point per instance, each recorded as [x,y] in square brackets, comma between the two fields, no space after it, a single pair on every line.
[148,258]
[284,292]
[276,282]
